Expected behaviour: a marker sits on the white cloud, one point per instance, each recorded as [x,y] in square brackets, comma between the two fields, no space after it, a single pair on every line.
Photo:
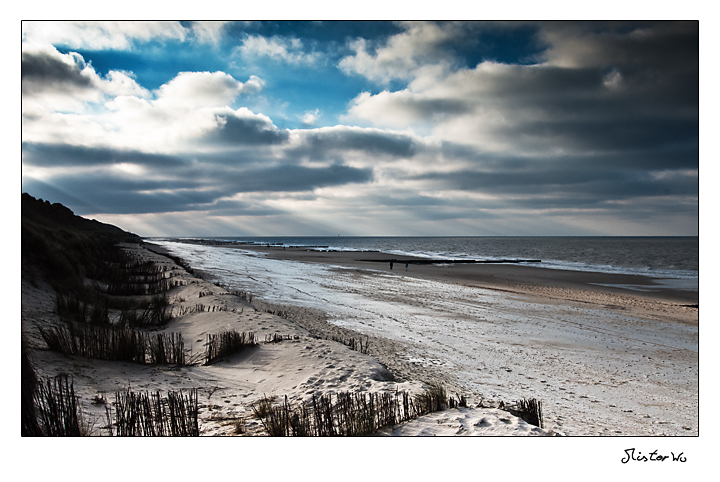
[199,89]
[208,32]
[613,80]
[392,109]
[102,35]
[285,49]
[403,54]
[66,101]
[117,83]
[253,85]
[205,89]
[310,117]
[52,81]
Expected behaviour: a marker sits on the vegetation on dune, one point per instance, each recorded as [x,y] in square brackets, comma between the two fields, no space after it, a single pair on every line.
[351,414]
[109,300]
[88,269]
[48,408]
[118,344]
[64,248]
[151,414]
[227,343]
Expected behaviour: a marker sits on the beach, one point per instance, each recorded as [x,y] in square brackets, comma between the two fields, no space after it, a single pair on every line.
[305,361]
[603,360]
[607,354]
[642,295]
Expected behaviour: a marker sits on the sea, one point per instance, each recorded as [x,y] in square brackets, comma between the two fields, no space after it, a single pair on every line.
[661,257]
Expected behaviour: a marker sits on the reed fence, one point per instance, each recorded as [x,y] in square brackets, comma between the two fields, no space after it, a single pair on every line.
[227,343]
[350,414]
[151,414]
[57,410]
[529,410]
[119,344]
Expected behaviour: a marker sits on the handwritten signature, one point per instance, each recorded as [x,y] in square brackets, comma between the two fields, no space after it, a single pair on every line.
[651,457]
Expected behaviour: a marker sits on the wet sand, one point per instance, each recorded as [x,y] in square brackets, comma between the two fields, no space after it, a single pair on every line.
[636,295]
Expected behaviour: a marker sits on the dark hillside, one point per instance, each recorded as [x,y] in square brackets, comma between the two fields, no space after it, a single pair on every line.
[64,248]
[43,215]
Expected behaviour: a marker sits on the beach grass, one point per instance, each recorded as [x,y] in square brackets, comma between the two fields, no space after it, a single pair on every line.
[119,344]
[529,410]
[151,414]
[350,414]
[57,409]
[227,343]
[29,383]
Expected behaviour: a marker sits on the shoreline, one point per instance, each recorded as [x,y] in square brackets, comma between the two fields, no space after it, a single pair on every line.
[598,369]
[639,295]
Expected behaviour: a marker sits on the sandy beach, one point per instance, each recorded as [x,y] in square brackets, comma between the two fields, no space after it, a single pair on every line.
[306,362]
[604,360]
[641,295]
[607,354]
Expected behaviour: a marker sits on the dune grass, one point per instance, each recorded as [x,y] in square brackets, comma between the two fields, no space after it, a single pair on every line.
[529,410]
[151,414]
[57,409]
[227,343]
[120,344]
[350,414]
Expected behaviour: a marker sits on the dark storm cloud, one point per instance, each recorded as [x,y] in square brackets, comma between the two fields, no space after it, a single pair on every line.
[574,110]
[43,155]
[436,108]
[568,185]
[325,142]
[597,86]
[288,178]
[637,45]
[46,71]
[170,184]
[236,131]
[615,135]
[108,194]
[230,207]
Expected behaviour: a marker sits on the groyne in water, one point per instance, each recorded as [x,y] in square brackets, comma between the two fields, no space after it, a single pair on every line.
[450,261]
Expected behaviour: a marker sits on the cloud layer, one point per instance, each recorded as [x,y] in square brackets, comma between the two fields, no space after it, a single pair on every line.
[460,128]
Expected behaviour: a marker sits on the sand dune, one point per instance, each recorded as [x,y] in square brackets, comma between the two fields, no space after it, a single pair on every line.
[297,367]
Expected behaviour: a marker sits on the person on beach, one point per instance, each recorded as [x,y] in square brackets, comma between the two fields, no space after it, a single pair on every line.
[391,263]
[406,265]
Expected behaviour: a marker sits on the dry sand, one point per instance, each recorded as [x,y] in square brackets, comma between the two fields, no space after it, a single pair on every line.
[295,368]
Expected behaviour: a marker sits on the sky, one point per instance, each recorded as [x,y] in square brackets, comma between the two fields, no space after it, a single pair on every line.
[432,128]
